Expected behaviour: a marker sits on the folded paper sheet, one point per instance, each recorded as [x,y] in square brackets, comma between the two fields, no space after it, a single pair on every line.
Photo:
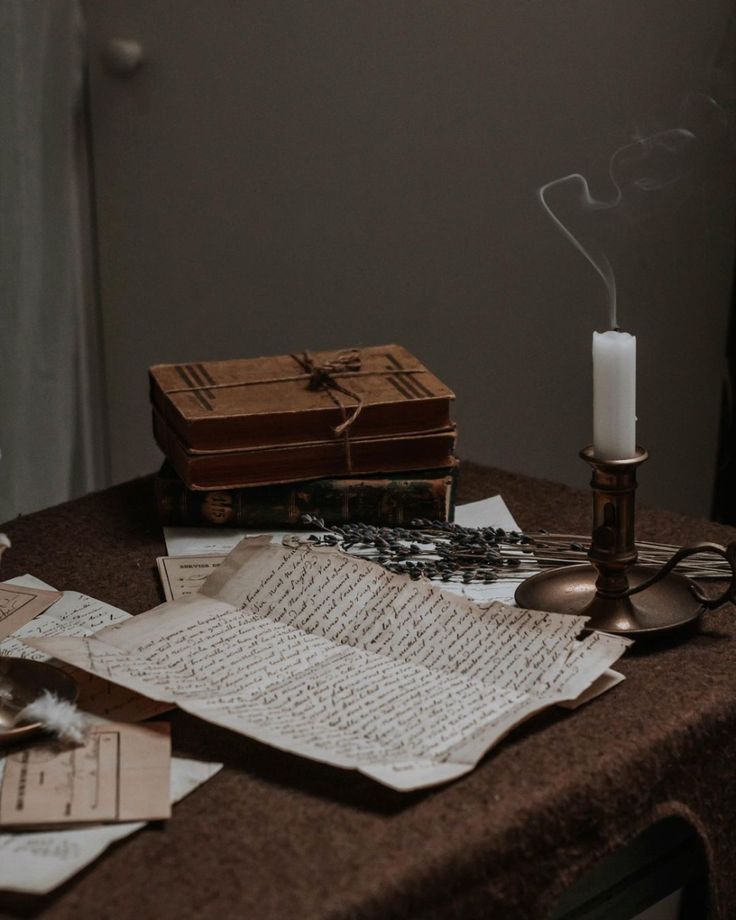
[332,657]
[77,614]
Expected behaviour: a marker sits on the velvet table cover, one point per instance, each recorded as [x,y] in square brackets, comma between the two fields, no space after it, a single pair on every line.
[274,836]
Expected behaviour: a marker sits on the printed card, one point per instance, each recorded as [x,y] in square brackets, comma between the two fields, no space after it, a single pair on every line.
[121,773]
[183,575]
[19,606]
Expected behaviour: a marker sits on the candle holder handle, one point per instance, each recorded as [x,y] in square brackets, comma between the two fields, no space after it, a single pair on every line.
[726,552]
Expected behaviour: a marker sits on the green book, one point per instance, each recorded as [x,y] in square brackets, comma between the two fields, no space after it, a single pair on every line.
[378,498]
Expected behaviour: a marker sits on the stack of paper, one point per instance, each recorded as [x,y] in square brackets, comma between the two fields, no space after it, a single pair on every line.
[37,861]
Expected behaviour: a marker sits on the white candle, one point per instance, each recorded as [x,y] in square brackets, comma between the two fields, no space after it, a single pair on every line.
[614,395]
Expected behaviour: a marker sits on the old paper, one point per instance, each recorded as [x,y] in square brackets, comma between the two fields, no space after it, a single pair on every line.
[36,862]
[208,541]
[79,615]
[194,553]
[182,576]
[18,605]
[120,773]
[488,512]
[334,658]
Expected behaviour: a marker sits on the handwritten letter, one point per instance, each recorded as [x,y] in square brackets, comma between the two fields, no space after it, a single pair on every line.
[334,658]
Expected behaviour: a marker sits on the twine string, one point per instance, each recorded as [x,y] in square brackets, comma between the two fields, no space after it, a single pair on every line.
[322,377]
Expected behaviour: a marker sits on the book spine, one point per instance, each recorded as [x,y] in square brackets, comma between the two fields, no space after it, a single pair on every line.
[336,501]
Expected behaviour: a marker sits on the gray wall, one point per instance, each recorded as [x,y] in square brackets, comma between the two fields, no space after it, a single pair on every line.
[282,175]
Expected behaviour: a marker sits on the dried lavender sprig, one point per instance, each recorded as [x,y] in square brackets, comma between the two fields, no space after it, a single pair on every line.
[446,551]
[437,550]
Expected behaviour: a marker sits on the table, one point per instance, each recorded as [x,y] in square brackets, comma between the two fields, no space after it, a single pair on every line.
[275,836]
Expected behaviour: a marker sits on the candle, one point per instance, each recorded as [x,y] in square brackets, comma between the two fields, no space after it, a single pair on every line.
[614,395]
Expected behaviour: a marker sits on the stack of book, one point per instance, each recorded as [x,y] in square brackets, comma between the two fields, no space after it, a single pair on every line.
[363,435]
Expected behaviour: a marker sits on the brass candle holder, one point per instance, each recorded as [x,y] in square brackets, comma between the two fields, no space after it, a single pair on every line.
[618,595]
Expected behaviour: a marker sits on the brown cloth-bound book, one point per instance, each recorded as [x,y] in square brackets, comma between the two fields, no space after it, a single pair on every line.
[381,499]
[233,469]
[255,402]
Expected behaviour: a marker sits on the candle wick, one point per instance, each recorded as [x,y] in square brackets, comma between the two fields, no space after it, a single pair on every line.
[617,329]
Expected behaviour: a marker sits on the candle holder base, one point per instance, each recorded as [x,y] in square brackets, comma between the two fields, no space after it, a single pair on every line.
[668,604]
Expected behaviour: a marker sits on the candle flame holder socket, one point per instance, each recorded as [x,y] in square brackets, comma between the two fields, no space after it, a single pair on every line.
[616,593]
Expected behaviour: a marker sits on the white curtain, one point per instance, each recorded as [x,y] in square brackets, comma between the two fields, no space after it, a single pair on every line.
[51,400]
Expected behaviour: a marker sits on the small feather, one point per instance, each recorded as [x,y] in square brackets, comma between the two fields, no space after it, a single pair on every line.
[55,715]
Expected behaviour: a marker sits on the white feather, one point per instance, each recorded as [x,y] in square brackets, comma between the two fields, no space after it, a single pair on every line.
[58,716]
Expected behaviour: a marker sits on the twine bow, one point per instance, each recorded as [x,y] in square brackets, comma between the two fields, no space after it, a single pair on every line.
[321,377]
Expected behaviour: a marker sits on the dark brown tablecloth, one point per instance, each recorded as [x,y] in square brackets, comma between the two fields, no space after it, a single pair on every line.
[275,836]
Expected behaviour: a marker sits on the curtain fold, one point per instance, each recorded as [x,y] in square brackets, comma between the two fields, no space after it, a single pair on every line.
[52,433]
